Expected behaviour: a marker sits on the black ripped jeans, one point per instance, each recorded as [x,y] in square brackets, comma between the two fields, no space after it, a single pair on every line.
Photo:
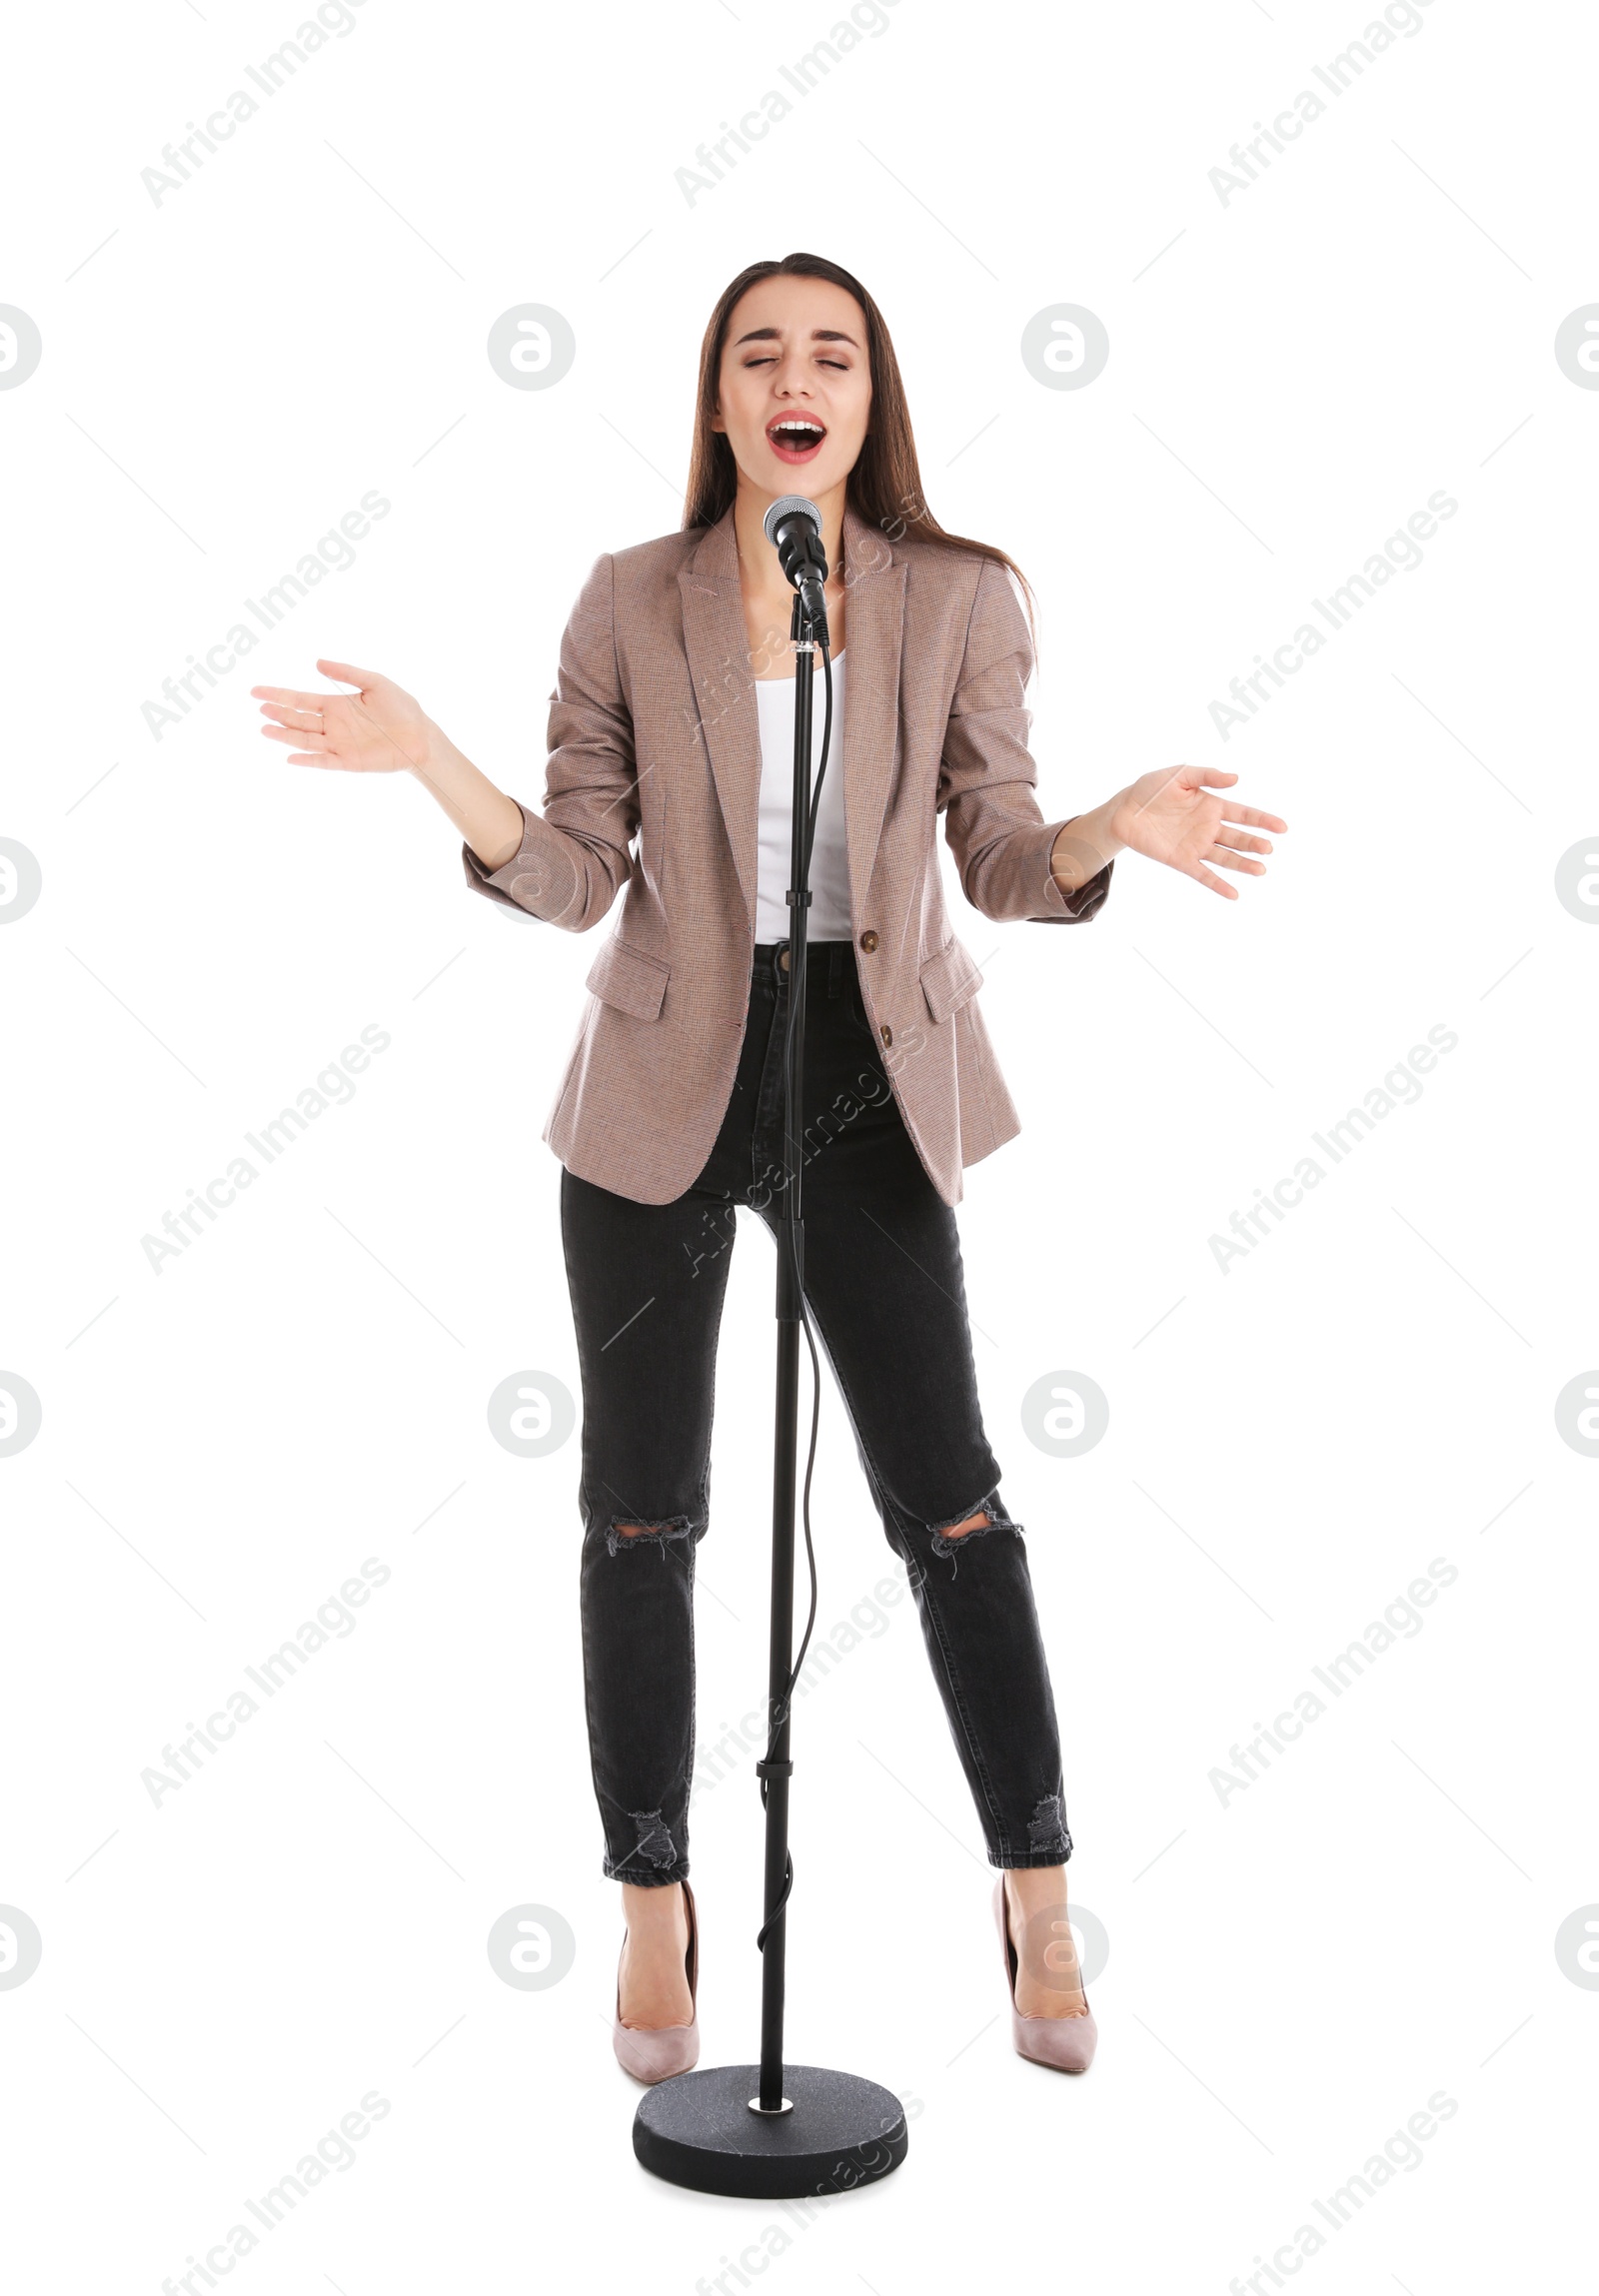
[887,1298]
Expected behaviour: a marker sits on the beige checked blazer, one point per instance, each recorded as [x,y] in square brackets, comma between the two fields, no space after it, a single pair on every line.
[655,736]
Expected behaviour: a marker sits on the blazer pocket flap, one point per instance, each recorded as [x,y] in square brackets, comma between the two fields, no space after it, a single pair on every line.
[948,979]
[629,979]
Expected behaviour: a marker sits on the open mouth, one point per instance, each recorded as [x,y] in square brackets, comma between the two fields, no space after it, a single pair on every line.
[795,438]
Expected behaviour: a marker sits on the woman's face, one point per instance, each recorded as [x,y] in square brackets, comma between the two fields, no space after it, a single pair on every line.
[794,390]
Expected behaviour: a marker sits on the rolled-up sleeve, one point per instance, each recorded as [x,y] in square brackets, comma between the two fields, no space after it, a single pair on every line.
[988,779]
[574,858]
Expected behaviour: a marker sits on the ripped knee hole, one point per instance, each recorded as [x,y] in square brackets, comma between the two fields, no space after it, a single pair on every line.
[666,1531]
[978,1521]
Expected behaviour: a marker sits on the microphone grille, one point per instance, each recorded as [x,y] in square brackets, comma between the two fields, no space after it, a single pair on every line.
[783,508]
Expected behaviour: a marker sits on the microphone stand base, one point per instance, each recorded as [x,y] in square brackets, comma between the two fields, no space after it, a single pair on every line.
[838,2133]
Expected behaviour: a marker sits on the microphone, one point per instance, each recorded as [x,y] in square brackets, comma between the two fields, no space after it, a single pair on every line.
[794,528]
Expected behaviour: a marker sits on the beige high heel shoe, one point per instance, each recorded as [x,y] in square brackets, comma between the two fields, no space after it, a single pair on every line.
[1066,2044]
[655,2052]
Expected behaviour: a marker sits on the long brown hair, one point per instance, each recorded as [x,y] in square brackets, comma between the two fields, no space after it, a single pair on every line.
[884,488]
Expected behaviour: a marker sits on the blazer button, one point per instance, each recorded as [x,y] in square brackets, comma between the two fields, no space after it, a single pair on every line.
[886,1034]
[869,942]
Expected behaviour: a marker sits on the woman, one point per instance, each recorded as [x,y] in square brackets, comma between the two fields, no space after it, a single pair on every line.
[672,722]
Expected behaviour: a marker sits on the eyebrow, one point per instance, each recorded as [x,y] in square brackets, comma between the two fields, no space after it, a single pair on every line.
[817,334]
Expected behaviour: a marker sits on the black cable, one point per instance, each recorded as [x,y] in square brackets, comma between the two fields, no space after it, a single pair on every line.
[781,1713]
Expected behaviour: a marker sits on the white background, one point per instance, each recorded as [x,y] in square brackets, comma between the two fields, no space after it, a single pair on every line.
[1291,1974]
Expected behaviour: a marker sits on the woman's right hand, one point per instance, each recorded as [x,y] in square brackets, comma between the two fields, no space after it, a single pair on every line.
[379,729]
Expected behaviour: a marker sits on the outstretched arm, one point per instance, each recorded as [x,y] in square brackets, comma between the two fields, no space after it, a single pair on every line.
[1169,816]
[380,729]
[565,866]
[1014,864]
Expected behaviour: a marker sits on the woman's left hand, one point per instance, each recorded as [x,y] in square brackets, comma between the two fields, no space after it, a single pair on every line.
[1169,816]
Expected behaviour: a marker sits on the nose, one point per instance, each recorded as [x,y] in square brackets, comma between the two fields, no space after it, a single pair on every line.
[790,377]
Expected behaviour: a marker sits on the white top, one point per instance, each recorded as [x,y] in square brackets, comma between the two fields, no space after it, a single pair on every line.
[829,914]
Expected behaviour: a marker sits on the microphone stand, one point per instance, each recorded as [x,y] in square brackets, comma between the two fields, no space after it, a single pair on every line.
[773,2131]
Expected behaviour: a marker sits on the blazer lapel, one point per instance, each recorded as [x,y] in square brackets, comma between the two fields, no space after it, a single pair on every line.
[874,642]
[724,692]
[717,645]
